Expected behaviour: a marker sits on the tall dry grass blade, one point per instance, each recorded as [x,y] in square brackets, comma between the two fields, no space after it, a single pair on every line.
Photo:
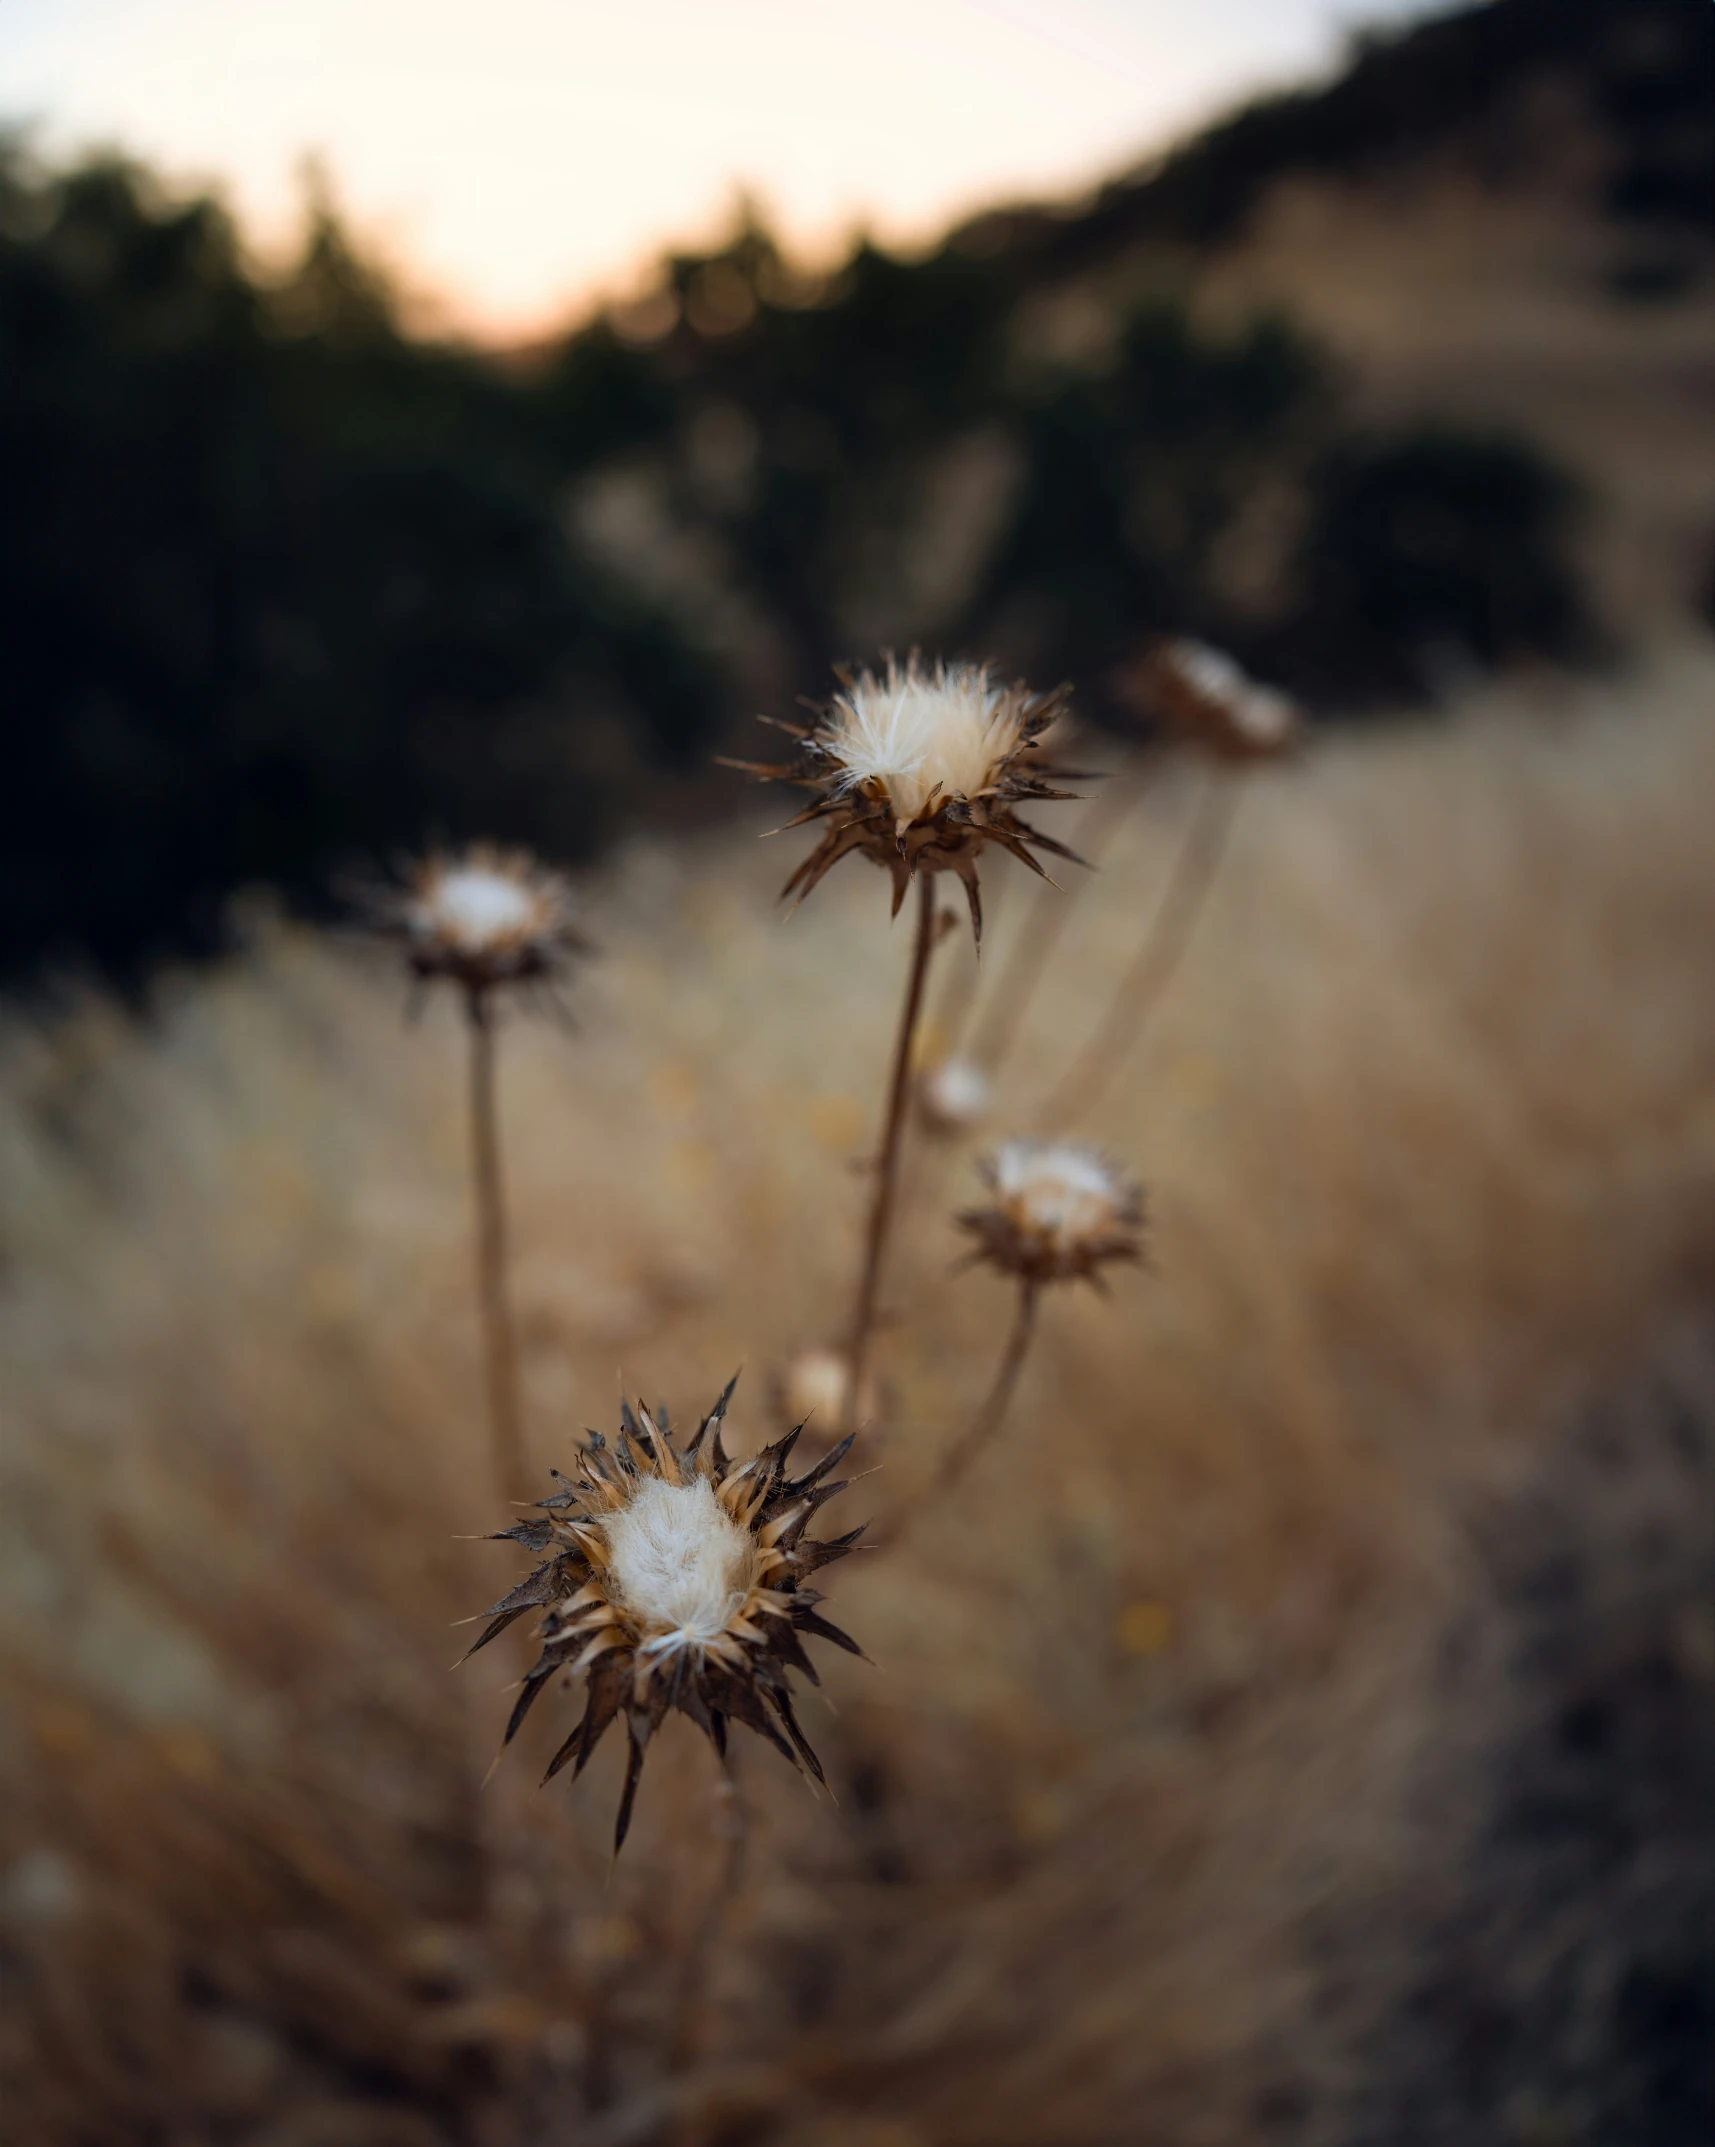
[885,1190]
[1145,984]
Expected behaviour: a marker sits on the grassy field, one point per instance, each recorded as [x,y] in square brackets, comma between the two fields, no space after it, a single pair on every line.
[1296,1727]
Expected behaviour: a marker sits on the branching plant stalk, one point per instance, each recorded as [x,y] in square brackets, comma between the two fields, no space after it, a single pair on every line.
[499,1347]
[1145,984]
[884,1190]
[1009,998]
[989,1417]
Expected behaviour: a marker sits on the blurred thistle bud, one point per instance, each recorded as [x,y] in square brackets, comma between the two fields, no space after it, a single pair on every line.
[483,917]
[920,770]
[953,1097]
[1060,1211]
[814,1385]
[1203,695]
[675,1580]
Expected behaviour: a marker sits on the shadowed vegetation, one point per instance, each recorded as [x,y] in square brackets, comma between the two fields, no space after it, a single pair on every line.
[282,582]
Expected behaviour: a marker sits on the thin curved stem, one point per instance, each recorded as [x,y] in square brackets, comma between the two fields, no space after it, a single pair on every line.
[1028,957]
[691,2008]
[499,1347]
[885,1189]
[989,1416]
[1145,984]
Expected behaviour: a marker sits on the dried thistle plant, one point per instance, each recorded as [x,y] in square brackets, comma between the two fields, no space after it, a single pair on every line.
[1204,701]
[483,917]
[675,1579]
[1058,1211]
[953,1097]
[486,919]
[919,770]
[1209,704]
[1208,701]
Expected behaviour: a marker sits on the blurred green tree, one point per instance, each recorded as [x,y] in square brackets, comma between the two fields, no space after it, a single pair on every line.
[283,585]
[279,586]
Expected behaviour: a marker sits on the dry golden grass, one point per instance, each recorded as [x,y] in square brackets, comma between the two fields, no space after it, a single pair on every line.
[1161,1763]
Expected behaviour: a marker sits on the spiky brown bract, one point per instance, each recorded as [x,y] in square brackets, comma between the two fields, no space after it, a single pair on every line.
[1061,1211]
[675,1578]
[1203,694]
[920,770]
[483,916]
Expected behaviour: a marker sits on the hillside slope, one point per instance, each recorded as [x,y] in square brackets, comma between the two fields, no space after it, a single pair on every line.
[1501,217]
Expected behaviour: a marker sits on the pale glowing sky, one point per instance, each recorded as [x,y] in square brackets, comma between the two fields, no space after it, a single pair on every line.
[517,157]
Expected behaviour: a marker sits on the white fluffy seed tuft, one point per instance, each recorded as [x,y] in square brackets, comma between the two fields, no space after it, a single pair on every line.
[1260,715]
[924,737]
[956,1095]
[1211,671]
[1061,1190]
[475,907]
[815,1385]
[680,1563]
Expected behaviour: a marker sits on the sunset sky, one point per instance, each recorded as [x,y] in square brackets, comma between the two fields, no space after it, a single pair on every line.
[517,158]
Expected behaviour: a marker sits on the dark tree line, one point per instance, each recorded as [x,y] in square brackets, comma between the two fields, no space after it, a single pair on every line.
[277,585]
[283,586]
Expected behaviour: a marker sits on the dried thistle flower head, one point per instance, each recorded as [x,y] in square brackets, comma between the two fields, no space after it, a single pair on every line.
[1060,1211]
[675,1578]
[483,916]
[1205,696]
[813,1387]
[921,770]
[954,1096]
